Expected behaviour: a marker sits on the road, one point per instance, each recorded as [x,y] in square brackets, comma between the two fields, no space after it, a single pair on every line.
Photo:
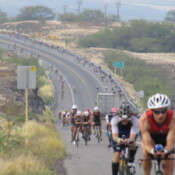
[95,158]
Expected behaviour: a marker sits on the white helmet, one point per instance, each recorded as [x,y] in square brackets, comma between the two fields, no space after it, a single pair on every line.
[74,106]
[96,108]
[158,101]
[78,113]
[86,113]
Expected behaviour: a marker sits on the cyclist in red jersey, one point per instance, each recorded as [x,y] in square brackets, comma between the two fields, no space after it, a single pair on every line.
[157,126]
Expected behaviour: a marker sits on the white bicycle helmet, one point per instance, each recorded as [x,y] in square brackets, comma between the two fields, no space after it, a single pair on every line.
[86,113]
[78,113]
[96,108]
[158,101]
[74,106]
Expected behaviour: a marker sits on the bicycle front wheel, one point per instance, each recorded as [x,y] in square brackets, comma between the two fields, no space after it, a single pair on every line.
[86,136]
[159,173]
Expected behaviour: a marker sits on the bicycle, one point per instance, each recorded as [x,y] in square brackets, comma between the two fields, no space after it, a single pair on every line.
[157,159]
[86,134]
[125,167]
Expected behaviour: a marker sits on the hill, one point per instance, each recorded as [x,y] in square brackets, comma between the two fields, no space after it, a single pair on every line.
[66,35]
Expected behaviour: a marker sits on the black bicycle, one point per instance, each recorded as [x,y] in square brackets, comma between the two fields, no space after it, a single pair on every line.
[86,134]
[126,167]
[157,159]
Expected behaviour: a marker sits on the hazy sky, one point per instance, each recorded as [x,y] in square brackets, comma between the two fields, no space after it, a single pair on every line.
[148,9]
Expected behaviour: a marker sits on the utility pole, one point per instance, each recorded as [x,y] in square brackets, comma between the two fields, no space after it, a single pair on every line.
[105,14]
[65,9]
[79,6]
[118,3]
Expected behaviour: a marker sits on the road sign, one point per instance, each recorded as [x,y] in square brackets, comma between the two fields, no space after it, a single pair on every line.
[26,77]
[118,64]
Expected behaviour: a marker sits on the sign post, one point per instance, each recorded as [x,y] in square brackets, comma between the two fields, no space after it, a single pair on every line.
[119,65]
[26,79]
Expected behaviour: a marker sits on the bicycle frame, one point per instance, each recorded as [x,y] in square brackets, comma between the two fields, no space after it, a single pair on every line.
[124,167]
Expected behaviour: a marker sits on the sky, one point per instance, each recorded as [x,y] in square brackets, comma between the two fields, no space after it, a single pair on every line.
[128,9]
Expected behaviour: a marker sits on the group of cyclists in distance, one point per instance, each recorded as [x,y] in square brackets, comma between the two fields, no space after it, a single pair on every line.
[154,127]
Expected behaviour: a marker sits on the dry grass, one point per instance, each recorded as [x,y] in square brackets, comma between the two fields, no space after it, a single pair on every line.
[23,164]
[43,141]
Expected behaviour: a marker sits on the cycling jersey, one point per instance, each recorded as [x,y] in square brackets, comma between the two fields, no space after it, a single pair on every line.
[164,128]
[72,121]
[159,133]
[86,118]
[97,119]
[130,128]
[109,117]
[118,128]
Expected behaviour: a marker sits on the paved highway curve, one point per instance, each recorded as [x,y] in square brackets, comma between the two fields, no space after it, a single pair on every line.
[94,159]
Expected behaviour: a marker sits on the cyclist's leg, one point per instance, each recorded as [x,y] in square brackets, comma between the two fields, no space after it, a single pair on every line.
[94,128]
[147,164]
[168,166]
[131,154]
[115,159]
[100,131]
[74,133]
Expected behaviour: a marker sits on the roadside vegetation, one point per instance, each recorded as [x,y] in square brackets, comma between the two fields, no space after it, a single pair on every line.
[30,148]
[135,36]
[43,84]
[147,77]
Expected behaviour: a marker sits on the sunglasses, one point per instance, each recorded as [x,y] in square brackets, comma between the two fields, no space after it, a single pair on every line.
[160,112]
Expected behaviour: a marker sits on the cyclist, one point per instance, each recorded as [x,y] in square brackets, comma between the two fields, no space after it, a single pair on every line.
[63,118]
[86,122]
[78,124]
[72,121]
[123,123]
[97,120]
[157,127]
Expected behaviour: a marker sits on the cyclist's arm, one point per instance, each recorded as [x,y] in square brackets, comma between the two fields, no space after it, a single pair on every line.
[114,127]
[147,141]
[171,136]
[107,118]
[134,129]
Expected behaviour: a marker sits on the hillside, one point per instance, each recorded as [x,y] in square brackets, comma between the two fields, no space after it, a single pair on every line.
[66,35]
